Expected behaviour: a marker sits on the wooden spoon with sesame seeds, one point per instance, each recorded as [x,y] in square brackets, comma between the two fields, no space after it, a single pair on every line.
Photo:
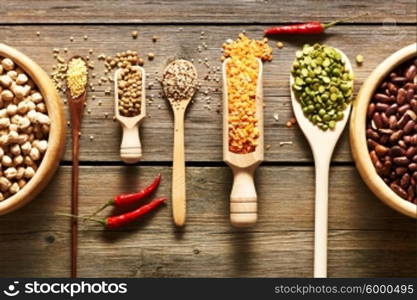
[243,198]
[76,105]
[322,144]
[130,148]
[173,86]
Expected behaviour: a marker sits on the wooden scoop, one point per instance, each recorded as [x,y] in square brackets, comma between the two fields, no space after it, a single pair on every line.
[178,168]
[322,144]
[243,198]
[76,111]
[130,148]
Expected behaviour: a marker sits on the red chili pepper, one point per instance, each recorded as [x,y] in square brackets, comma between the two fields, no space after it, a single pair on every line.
[128,199]
[123,219]
[313,27]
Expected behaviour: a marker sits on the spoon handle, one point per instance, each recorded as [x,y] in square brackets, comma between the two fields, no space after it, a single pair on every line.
[321,215]
[178,170]
[130,149]
[243,199]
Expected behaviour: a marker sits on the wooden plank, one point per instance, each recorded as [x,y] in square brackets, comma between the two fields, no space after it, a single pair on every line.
[203,127]
[280,245]
[209,11]
[33,241]
[366,238]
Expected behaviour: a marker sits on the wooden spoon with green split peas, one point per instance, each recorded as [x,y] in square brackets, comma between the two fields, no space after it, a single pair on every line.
[322,144]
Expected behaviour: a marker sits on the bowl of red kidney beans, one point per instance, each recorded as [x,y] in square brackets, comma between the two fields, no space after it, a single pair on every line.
[383,131]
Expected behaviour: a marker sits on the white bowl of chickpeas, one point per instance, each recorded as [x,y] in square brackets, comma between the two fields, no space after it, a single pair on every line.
[32,129]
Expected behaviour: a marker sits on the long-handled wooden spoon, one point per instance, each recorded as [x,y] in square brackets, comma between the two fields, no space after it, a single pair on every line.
[76,110]
[243,199]
[178,169]
[322,144]
[130,148]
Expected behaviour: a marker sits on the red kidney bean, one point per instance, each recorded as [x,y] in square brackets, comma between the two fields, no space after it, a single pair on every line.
[372,134]
[398,190]
[377,120]
[396,136]
[399,79]
[371,109]
[401,96]
[381,107]
[401,161]
[382,98]
[410,152]
[392,88]
[392,122]
[409,127]
[400,171]
[405,180]
[403,108]
[410,94]
[392,109]
[381,150]
[396,151]
[391,130]
[412,167]
[411,72]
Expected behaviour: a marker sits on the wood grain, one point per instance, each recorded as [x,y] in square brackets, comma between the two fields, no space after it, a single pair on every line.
[203,141]
[209,11]
[366,238]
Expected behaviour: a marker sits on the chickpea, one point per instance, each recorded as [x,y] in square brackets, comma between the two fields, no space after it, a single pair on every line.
[26,148]
[29,173]
[6,161]
[11,109]
[14,188]
[21,183]
[12,74]
[36,97]
[21,79]
[7,64]
[35,154]
[6,95]
[20,173]
[5,184]
[5,81]
[4,122]
[10,173]
[18,160]
[15,149]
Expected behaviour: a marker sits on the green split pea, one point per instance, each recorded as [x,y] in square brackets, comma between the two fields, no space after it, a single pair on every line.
[322,84]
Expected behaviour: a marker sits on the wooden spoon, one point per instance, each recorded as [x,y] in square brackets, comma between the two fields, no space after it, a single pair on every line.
[130,148]
[178,168]
[243,198]
[322,144]
[76,110]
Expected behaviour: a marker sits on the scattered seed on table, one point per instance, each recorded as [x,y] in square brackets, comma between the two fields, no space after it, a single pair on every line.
[154,39]
[280,45]
[71,38]
[134,34]
[276,116]
[359,59]
[284,143]
[85,37]
[89,111]
[151,55]
[38,33]
[100,102]
[289,124]
[91,137]
[106,115]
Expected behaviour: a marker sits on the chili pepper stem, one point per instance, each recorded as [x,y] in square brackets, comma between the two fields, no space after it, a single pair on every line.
[105,205]
[102,222]
[327,25]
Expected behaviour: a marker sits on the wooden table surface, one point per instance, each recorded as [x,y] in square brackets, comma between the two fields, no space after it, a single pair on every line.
[366,238]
